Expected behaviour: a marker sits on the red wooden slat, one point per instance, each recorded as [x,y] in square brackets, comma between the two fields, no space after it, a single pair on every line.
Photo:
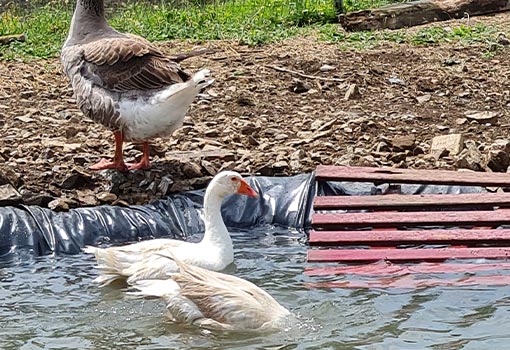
[394,175]
[409,282]
[410,254]
[381,219]
[398,201]
[377,269]
[392,237]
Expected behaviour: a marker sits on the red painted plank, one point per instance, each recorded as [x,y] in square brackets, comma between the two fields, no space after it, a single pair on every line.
[396,175]
[392,237]
[383,268]
[399,201]
[410,282]
[410,254]
[381,219]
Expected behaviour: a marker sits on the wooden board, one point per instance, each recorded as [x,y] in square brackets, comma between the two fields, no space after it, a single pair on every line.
[410,254]
[399,219]
[383,268]
[399,201]
[394,175]
[411,282]
[395,237]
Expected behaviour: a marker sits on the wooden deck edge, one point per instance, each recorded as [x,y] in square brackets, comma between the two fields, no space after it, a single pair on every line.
[413,176]
[407,255]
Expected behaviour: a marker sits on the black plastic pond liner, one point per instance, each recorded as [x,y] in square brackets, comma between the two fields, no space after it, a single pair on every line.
[282,201]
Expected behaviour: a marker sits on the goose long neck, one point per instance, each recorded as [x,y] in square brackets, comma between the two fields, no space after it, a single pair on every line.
[215,229]
[88,22]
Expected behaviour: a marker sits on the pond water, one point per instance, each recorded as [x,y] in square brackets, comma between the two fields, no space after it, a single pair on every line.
[50,302]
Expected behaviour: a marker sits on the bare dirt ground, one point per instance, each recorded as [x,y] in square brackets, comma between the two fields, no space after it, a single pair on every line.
[258,120]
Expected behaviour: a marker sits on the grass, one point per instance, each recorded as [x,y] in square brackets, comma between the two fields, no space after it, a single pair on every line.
[250,22]
[464,34]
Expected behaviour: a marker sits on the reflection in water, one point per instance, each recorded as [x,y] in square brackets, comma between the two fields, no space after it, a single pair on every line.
[51,303]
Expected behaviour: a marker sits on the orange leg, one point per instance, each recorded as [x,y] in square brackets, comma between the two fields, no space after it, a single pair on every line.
[118,159]
[144,162]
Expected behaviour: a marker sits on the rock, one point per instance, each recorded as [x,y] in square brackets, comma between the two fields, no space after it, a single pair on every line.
[299,87]
[398,81]
[191,169]
[453,143]
[62,204]
[9,195]
[483,117]
[209,167]
[116,180]
[404,142]
[470,158]
[502,39]
[298,154]
[245,101]
[9,176]
[87,198]
[76,180]
[219,154]
[352,92]
[106,197]
[37,199]
[502,145]
[498,161]
[423,98]
[326,68]
[382,147]
[398,157]
[461,121]
[249,129]
[72,131]
[166,183]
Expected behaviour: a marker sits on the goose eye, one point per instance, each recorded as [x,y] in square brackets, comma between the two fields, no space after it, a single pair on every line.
[233,179]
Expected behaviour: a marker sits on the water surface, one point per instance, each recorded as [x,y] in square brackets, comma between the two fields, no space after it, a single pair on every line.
[50,302]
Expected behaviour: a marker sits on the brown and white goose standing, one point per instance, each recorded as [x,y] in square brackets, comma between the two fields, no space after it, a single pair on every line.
[125,83]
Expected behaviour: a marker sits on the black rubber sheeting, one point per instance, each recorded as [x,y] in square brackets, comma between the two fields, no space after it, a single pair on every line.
[282,201]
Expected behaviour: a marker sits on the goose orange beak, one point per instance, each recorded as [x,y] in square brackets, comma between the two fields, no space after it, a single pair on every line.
[246,189]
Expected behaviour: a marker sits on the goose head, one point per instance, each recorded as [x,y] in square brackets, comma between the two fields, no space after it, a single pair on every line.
[229,182]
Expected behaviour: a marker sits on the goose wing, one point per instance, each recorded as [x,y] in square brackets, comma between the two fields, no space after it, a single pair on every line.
[129,63]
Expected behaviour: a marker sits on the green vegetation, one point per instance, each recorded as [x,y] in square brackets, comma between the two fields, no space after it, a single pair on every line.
[356,5]
[250,22]
[431,35]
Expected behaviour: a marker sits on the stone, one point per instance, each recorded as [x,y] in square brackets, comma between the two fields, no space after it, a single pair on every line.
[218,154]
[191,169]
[58,205]
[453,143]
[299,87]
[470,158]
[106,197]
[483,117]
[166,184]
[326,68]
[352,92]
[76,180]
[87,198]
[423,98]
[498,161]
[403,142]
[9,195]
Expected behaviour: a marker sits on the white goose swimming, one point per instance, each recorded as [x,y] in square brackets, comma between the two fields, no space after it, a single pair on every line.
[214,252]
[125,83]
[215,300]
